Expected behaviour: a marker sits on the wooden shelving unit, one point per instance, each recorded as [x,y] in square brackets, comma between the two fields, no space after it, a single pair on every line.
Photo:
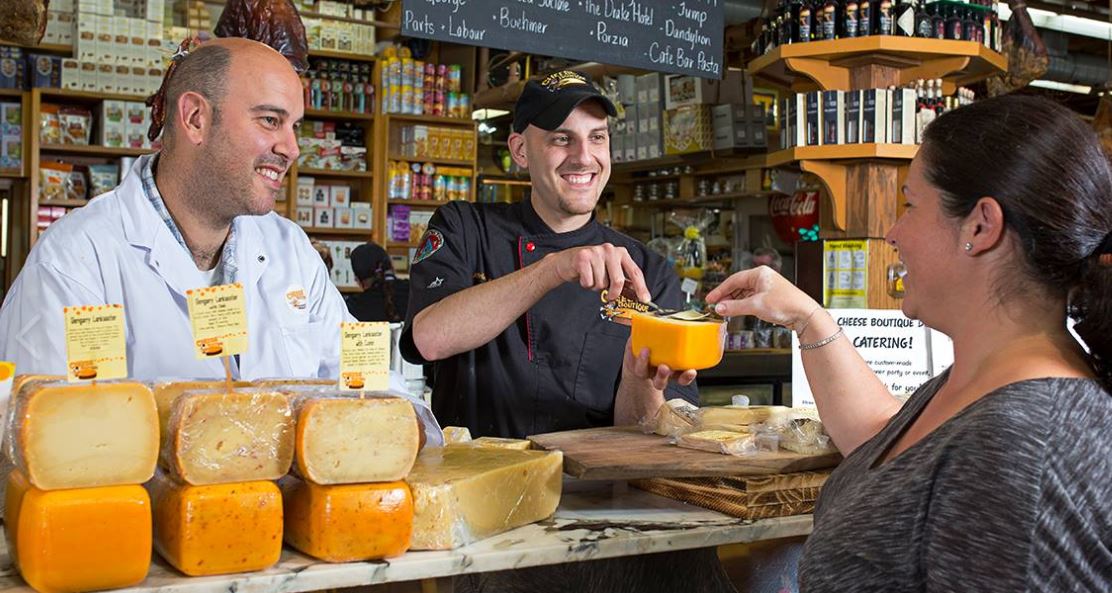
[337,232]
[862,180]
[419,203]
[94,150]
[338,115]
[434,160]
[334,173]
[340,55]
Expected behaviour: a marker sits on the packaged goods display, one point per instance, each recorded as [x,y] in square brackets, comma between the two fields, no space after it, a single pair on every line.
[11,137]
[892,115]
[800,21]
[429,141]
[329,145]
[415,87]
[464,494]
[339,85]
[216,528]
[427,181]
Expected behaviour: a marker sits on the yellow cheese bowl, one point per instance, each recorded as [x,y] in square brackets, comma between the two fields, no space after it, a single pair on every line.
[678,343]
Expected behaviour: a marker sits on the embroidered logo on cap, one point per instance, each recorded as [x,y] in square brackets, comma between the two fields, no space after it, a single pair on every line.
[556,81]
[295,298]
[430,244]
[436,283]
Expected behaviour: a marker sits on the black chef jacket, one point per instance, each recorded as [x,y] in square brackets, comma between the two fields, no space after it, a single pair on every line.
[556,368]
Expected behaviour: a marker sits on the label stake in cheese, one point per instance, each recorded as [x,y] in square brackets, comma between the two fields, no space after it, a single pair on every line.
[82,539]
[345,440]
[165,392]
[217,529]
[348,522]
[85,435]
[464,494]
[219,437]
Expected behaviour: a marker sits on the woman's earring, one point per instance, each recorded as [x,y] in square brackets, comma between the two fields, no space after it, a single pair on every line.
[968,246]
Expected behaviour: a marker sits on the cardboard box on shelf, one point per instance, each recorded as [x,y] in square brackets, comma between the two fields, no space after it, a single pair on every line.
[304,216]
[362,215]
[833,123]
[323,217]
[304,196]
[343,217]
[684,89]
[113,123]
[901,126]
[341,196]
[688,129]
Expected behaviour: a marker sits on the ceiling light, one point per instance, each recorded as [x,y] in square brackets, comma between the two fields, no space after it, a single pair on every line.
[1061,86]
[1044,19]
[481,114]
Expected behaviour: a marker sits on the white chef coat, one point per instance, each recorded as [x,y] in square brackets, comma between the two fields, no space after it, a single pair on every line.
[118,249]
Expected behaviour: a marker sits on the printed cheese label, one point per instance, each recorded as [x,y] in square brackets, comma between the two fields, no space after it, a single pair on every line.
[365,356]
[218,315]
[96,345]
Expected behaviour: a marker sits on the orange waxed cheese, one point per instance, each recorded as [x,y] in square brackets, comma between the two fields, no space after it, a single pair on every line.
[679,344]
[219,528]
[81,539]
[348,522]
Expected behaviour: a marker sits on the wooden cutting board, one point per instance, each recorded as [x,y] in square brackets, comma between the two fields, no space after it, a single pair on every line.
[754,497]
[625,453]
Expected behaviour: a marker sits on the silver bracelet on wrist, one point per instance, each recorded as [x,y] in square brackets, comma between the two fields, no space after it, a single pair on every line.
[822,342]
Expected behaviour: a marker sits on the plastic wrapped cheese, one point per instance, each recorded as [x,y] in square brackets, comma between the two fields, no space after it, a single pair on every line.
[219,528]
[719,441]
[219,437]
[678,343]
[82,539]
[674,418]
[712,416]
[347,440]
[84,435]
[279,383]
[465,494]
[167,390]
[347,522]
[431,434]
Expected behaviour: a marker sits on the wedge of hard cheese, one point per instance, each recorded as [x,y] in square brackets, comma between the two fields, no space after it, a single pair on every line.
[495,443]
[347,440]
[347,522]
[219,528]
[219,437]
[742,415]
[85,435]
[465,494]
[719,441]
[81,539]
[165,392]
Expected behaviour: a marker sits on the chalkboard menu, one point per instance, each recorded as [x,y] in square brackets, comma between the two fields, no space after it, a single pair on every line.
[679,36]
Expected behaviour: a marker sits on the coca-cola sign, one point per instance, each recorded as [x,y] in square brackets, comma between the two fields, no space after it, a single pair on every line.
[793,214]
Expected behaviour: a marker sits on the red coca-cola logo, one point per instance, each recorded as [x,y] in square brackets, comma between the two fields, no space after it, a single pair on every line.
[792,213]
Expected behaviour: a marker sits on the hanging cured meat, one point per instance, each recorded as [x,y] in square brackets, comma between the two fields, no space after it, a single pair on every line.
[273,22]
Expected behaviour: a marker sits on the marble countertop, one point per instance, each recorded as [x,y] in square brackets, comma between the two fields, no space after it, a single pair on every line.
[596,519]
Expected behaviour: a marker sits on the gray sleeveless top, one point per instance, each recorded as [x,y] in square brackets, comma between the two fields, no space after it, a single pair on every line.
[1012,494]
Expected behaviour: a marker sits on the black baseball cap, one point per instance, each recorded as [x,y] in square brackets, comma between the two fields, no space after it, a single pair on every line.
[546,103]
[368,259]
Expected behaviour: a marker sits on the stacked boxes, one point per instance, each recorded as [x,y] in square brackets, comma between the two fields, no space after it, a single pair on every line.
[329,206]
[117,47]
[13,68]
[340,36]
[123,124]
[342,274]
[436,142]
[11,137]
[739,126]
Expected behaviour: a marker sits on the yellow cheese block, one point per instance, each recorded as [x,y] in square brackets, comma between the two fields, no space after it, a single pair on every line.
[348,522]
[82,539]
[347,440]
[675,417]
[219,437]
[85,435]
[464,494]
[278,382]
[742,415]
[495,443]
[165,392]
[456,434]
[719,441]
[217,529]
[678,343]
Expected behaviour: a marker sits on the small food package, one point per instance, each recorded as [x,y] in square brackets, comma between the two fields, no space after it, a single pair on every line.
[54,181]
[50,127]
[76,124]
[806,436]
[677,416]
[726,442]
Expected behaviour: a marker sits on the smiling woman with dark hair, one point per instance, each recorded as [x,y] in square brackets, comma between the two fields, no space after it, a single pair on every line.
[995,475]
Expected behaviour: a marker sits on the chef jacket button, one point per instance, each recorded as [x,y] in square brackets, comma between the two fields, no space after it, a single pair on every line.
[530,246]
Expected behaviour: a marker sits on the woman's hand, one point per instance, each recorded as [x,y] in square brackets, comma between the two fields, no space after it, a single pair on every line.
[765,294]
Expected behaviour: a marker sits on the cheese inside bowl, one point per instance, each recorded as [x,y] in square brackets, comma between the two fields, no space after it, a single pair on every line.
[679,343]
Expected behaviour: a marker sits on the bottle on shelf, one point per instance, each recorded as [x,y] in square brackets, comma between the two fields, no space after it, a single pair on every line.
[865,18]
[849,19]
[884,17]
[953,23]
[903,17]
[830,15]
[924,26]
[806,21]
[938,20]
